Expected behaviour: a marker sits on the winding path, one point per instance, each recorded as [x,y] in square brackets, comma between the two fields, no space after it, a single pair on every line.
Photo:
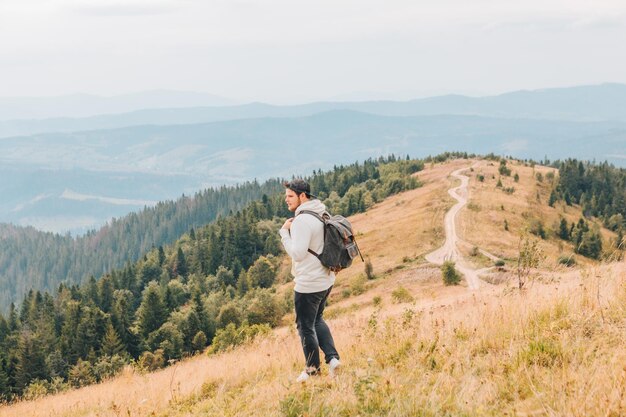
[450,251]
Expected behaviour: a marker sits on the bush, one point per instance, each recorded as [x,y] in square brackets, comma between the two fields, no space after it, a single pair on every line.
[536,228]
[149,361]
[229,313]
[108,367]
[169,339]
[36,389]
[262,273]
[591,244]
[499,263]
[232,336]
[450,275]
[567,260]
[263,307]
[401,295]
[357,285]
[81,374]
[199,341]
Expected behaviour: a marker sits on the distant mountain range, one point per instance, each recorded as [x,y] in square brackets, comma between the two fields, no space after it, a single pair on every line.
[83,105]
[606,102]
[78,175]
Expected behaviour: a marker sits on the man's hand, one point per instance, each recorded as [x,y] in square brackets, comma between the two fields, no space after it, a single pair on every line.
[287,224]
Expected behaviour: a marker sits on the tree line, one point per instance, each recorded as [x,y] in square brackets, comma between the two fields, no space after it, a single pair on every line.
[41,260]
[600,190]
[210,287]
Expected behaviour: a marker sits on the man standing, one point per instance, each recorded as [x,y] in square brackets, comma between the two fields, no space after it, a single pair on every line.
[314,281]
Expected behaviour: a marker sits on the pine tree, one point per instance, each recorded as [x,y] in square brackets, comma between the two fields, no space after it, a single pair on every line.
[181,264]
[242,283]
[152,312]
[105,293]
[5,387]
[13,320]
[31,362]
[552,199]
[591,244]
[91,291]
[111,343]
[161,255]
[564,232]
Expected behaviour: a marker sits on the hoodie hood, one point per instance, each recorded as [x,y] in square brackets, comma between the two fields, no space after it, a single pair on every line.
[315,206]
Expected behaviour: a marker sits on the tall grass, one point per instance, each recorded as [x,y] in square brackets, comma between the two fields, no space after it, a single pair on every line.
[546,351]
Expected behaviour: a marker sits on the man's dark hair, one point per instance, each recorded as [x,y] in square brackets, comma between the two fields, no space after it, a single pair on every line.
[299,186]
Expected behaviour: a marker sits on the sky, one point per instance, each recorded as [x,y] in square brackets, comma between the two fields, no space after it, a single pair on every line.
[289,51]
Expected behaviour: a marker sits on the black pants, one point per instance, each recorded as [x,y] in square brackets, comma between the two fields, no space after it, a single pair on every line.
[313,330]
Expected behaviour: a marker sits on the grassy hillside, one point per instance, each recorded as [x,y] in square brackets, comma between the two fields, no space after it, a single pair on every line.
[409,344]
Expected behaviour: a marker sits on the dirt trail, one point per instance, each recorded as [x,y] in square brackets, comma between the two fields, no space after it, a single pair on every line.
[450,251]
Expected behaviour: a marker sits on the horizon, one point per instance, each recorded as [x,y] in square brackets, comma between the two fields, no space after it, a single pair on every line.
[354,96]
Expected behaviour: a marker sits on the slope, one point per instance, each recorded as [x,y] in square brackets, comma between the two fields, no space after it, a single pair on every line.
[551,350]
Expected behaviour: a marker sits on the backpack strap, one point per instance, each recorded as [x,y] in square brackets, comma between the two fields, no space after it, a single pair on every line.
[320,218]
[314,214]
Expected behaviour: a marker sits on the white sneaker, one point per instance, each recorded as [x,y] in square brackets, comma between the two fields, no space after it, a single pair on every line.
[303,377]
[332,366]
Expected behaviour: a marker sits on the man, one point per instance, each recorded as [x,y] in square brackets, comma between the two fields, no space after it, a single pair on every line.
[313,281]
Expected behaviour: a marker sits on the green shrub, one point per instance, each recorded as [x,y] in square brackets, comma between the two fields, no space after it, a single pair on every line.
[36,389]
[499,263]
[542,352]
[401,295]
[357,285]
[199,341]
[536,228]
[149,361]
[81,374]
[450,275]
[567,260]
[232,336]
[108,366]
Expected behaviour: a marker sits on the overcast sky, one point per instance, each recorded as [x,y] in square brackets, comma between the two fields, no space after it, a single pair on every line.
[289,50]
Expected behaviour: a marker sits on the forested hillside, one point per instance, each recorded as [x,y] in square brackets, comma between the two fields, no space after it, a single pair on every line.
[38,260]
[600,190]
[212,286]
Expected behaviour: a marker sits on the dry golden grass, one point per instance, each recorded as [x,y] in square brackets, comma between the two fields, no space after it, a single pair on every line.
[482,224]
[555,350]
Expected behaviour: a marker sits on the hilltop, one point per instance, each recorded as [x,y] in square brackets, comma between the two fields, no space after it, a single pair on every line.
[410,345]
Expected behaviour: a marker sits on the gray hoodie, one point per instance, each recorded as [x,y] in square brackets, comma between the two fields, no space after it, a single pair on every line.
[307,232]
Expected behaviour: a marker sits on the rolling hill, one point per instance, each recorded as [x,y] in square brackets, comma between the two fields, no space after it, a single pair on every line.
[409,344]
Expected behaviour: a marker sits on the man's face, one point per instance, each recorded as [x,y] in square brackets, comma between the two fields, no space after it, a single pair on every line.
[292,199]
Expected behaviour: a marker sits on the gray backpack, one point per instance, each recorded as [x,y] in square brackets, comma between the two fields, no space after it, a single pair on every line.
[339,244]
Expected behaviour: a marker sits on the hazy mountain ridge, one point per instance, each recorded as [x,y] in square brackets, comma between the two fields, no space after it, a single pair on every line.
[152,163]
[584,103]
[84,105]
